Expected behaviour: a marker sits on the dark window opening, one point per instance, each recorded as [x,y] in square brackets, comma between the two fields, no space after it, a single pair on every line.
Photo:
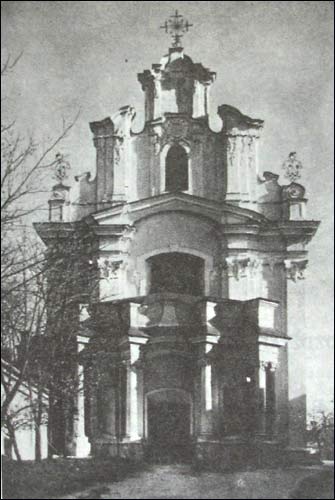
[176,273]
[176,169]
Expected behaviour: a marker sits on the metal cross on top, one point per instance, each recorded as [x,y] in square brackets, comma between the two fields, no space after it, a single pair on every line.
[176,26]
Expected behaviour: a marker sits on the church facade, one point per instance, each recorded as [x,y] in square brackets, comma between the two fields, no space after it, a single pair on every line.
[190,325]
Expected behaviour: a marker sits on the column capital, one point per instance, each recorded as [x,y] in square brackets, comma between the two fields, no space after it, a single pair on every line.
[295,269]
[241,266]
[269,365]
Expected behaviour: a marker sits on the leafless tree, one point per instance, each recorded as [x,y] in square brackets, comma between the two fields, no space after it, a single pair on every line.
[23,262]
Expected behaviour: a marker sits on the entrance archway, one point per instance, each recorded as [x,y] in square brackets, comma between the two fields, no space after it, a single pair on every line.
[169,425]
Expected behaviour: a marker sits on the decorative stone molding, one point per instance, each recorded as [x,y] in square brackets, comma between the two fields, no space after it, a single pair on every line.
[254,266]
[295,269]
[122,121]
[268,358]
[231,149]
[62,168]
[250,143]
[293,191]
[216,271]
[236,123]
[108,268]
[136,278]
[118,148]
[268,177]
[156,141]
[269,365]
[240,267]
[272,262]
[237,267]
[176,129]
[292,167]
[126,239]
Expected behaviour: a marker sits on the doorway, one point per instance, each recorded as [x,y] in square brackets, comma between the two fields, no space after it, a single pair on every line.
[169,426]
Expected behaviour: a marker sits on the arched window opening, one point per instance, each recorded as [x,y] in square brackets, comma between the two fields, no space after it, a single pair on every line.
[176,273]
[176,169]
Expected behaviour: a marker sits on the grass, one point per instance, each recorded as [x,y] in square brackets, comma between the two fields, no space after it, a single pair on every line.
[61,476]
[90,478]
[318,485]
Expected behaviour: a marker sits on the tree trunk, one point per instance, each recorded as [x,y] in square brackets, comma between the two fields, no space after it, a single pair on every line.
[12,436]
[38,451]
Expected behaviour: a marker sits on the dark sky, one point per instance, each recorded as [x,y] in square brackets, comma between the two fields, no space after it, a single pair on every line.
[274,61]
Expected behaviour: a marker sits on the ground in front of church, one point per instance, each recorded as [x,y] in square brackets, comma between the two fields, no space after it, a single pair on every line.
[111,479]
[178,481]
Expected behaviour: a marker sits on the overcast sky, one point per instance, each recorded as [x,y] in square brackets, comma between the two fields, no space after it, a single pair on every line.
[274,61]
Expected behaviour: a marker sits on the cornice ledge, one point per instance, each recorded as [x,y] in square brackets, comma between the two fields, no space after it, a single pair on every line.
[52,230]
[275,340]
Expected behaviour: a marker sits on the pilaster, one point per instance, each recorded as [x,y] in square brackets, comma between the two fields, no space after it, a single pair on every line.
[240,134]
[295,274]
[103,141]
[134,388]
[82,443]
[207,400]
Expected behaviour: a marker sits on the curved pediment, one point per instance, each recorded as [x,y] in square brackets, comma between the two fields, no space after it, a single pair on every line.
[220,213]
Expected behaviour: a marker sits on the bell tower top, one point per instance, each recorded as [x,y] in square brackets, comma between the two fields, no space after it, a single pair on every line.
[176,84]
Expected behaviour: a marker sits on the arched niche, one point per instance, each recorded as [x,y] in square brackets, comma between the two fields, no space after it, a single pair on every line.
[143,264]
[176,272]
[176,168]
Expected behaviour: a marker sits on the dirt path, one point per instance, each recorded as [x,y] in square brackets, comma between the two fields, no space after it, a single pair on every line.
[178,481]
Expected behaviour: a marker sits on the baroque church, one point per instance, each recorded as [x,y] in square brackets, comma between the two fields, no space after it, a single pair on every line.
[190,327]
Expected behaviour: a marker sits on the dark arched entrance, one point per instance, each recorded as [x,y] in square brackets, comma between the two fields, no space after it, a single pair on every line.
[168,418]
[176,273]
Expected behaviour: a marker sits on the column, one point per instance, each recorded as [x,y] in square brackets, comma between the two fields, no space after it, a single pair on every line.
[261,398]
[132,394]
[270,400]
[107,394]
[268,413]
[295,269]
[204,389]
[83,447]
[232,164]
[103,141]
